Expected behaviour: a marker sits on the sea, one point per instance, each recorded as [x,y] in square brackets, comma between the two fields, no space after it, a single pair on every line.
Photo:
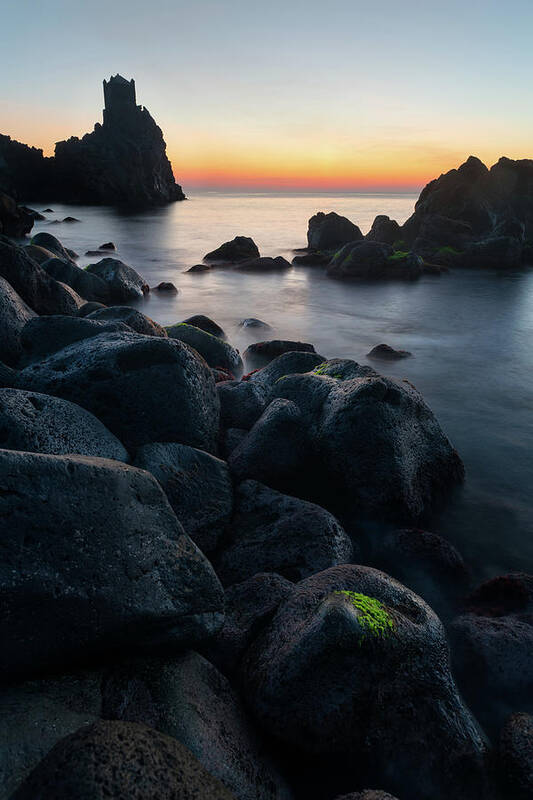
[470,333]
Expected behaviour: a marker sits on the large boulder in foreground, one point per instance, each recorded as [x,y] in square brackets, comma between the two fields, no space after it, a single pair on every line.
[198,487]
[43,336]
[14,220]
[143,388]
[369,261]
[120,760]
[94,560]
[241,248]
[14,314]
[36,715]
[39,423]
[187,698]
[353,441]
[40,291]
[216,352]
[330,231]
[271,532]
[356,666]
[123,282]
[51,243]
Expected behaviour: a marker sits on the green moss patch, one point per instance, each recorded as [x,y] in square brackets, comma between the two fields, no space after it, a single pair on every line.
[398,255]
[374,618]
[448,251]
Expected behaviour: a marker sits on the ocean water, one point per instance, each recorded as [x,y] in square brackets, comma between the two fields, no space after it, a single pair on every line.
[470,333]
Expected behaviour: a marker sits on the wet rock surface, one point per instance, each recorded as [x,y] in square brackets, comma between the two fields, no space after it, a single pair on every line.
[14,314]
[60,606]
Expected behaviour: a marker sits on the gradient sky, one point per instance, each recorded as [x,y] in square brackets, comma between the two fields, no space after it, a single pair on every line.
[310,95]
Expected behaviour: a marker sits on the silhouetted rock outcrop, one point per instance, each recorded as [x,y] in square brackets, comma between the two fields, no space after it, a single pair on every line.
[123,161]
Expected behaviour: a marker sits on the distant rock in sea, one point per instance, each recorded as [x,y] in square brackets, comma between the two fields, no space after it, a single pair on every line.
[123,161]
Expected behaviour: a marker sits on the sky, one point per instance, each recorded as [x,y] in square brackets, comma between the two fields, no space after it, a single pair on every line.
[314,95]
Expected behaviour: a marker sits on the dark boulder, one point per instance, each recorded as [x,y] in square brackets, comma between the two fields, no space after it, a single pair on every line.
[14,220]
[495,252]
[88,308]
[384,352]
[108,246]
[252,322]
[353,441]
[241,403]
[87,285]
[441,238]
[239,249]
[205,324]
[198,487]
[271,532]
[49,242]
[367,794]
[39,423]
[355,665]
[109,569]
[330,231]
[318,259]
[123,282]
[40,291]
[216,352]
[166,287]
[131,317]
[36,715]
[143,388]
[230,439]
[384,229]
[249,606]
[369,260]
[199,268]
[14,314]
[516,756]
[120,760]
[492,648]
[427,564]
[295,361]
[275,449]
[44,336]
[263,352]
[263,264]
[38,253]
[188,699]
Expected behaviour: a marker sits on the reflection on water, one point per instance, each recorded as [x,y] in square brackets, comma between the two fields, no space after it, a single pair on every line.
[470,334]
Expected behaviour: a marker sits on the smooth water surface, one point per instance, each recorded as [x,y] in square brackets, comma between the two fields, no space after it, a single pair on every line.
[470,333]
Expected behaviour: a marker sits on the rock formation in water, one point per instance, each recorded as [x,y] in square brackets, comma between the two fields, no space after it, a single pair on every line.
[123,161]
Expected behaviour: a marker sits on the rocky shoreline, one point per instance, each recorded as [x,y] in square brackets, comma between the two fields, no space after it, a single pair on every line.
[216,576]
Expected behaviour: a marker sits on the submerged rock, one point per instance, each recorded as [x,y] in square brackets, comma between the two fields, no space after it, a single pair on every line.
[252,322]
[216,352]
[205,324]
[198,487]
[38,423]
[61,605]
[385,352]
[143,388]
[123,282]
[355,665]
[329,231]
[120,760]
[188,699]
[166,287]
[14,314]
[239,249]
[263,352]
[271,532]
[263,264]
